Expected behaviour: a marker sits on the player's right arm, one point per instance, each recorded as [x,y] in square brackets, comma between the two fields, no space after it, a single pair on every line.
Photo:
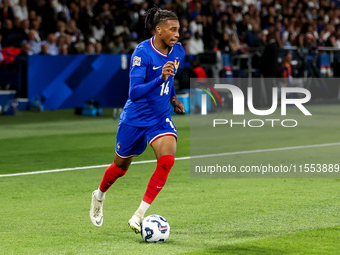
[140,61]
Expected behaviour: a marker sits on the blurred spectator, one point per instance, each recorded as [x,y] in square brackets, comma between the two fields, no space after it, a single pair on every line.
[185,32]
[234,45]
[79,47]
[118,46]
[107,45]
[6,30]
[32,15]
[195,45]
[196,25]
[291,40]
[143,8]
[109,24]
[98,48]
[196,9]
[85,14]
[44,49]
[25,26]
[129,46]
[321,42]
[208,33]
[287,74]
[61,40]
[287,32]
[270,64]
[61,16]
[122,29]
[270,56]
[70,45]
[21,10]
[63,50]
[52,46]
[48,17]
[262,39]
[6,11]
[73,31]
[279,27]
[35,24]
[35,47]
[300,41]
[251,36]
[310,43]
[98,29]
[60,6]
[12,36]
[331,41]
[74,11]
[61,27]
[223,45]
[89,49]
[287,66]
[243,26]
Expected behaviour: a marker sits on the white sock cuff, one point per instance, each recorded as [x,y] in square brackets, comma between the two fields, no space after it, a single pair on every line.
[99,194]
[144,206]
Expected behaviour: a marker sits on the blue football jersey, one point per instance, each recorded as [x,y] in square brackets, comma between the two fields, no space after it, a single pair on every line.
[147,63]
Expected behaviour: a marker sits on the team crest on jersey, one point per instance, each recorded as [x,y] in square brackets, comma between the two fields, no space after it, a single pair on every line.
[176,65]
[136,61]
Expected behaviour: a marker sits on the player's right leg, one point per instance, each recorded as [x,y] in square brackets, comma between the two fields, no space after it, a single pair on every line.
[117,169]
[130,142]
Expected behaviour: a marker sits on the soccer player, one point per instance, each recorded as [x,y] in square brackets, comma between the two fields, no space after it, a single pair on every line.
[146,114]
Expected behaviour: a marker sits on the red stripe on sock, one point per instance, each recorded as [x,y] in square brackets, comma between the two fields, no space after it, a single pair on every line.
[159,178]
[152,188]
[157,182]
[150,193]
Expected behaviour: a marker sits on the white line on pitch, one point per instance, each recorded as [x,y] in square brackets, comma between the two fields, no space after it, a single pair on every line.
[182,158]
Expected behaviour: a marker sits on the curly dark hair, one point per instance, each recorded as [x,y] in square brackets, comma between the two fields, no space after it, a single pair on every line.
[155,15]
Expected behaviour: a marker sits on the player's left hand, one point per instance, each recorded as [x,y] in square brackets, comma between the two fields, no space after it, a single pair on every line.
[178,106]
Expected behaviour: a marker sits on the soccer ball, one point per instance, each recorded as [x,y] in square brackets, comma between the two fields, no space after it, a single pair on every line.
[155,229]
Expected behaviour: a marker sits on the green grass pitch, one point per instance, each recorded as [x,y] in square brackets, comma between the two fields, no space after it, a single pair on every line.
[48,213]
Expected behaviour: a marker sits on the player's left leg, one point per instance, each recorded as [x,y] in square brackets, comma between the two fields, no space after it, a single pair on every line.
[165,150]
[130,142]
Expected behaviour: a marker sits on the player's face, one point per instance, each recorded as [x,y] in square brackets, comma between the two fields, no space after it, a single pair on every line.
[169,32]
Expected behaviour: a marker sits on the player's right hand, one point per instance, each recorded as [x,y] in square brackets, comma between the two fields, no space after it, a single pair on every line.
[168,69]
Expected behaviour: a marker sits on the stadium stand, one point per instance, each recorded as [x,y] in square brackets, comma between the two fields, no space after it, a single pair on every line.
[310,30]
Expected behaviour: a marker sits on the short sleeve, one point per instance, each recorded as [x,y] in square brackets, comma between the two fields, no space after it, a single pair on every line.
[139,63]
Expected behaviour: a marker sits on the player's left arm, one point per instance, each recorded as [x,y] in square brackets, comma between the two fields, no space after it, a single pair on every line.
[177,105]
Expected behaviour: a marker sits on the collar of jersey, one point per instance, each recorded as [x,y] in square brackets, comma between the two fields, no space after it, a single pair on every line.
[155,49]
